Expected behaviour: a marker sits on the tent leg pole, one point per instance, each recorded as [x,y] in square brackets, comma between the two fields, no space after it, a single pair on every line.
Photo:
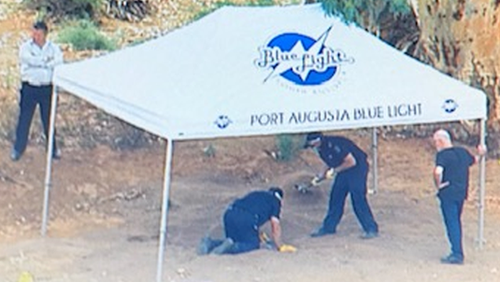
[375,160]
[482,180]
[48,170]
[164,210]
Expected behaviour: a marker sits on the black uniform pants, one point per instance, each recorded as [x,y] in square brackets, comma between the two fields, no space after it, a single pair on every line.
[452,214]
[31,96]
[241,227]
[351,182]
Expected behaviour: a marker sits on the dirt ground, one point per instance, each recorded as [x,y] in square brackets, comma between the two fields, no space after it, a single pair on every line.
[105,212]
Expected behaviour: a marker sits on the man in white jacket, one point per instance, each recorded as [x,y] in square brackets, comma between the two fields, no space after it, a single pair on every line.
[37,56]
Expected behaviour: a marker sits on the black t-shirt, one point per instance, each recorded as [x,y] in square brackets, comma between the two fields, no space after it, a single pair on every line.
[455,162]
[261,203]
[334,149]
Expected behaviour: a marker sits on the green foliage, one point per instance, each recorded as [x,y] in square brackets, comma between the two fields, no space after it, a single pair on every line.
[288,146]
[201,14]
[365,12]
[77,9]
[224,3]
[399,7]
[348,10]
[260,3]
[84,35]
[139,41]
[246,3]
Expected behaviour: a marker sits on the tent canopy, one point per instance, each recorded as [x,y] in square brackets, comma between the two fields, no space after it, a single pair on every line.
[243,71]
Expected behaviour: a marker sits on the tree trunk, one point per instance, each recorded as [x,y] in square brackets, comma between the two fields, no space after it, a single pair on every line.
[461,38]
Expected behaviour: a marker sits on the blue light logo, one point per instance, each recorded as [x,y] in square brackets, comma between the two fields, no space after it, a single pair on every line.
[449,106]
[300,59]
[222,121]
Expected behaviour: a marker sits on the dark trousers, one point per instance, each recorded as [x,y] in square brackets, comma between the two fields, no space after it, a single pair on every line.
[452,214]
[241,227]
[351,182]
[31,96]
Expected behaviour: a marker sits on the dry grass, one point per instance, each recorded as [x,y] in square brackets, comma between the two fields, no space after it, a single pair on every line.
[8,115]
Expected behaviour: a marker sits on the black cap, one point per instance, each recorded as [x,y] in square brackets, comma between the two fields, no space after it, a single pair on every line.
[311,137]
[277,192]
[41,26]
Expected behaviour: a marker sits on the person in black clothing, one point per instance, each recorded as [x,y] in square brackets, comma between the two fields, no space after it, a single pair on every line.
[242,220]
[451,177]
[348,162]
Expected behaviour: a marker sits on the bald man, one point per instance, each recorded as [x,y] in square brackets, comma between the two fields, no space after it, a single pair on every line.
[451,177]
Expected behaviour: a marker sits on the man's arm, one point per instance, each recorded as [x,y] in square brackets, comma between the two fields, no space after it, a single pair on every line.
[26,57]
[276,234]
[438,177]
[276,231]
[57,57]
[348,162]
[481,150]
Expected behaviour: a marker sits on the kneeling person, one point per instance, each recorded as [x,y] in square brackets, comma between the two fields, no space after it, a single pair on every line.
[242,220]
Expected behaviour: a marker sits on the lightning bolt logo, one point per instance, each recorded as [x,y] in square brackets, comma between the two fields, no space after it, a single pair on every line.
[301,59]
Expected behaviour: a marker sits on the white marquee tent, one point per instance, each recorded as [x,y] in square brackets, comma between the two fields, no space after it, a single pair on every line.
[243,71]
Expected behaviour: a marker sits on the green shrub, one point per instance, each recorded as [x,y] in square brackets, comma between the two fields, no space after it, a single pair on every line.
[84,35]
[79,9]
[263,3]
[288,146]
[246,3]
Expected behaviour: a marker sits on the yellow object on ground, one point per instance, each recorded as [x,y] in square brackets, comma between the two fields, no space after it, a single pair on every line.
[25,277]
[287,249]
